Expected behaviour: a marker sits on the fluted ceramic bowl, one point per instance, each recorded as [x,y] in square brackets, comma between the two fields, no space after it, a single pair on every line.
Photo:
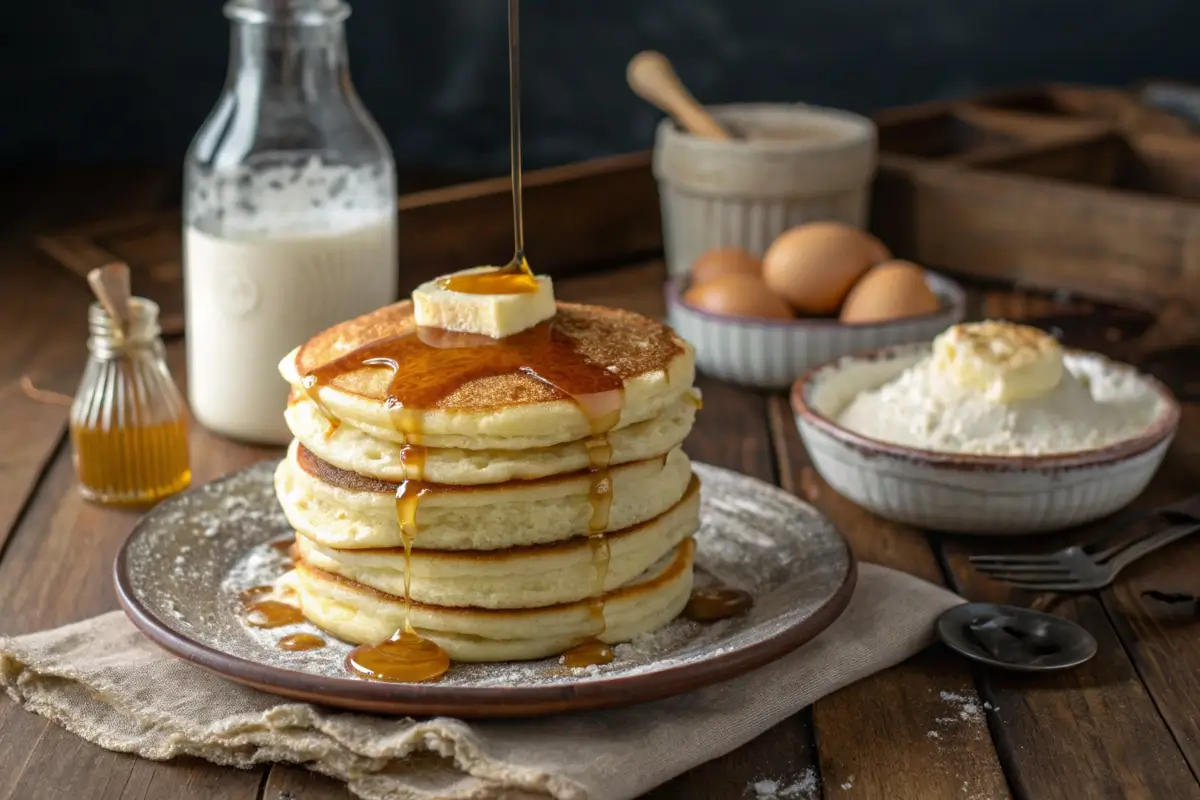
[969,493]
[792,163]
[772,353]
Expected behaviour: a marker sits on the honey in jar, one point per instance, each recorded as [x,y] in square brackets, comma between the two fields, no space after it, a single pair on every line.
[128,424]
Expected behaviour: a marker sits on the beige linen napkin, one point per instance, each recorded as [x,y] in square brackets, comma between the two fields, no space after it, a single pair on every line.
[105,682]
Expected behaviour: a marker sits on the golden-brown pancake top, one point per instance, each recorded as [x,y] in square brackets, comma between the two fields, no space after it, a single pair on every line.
[620,343]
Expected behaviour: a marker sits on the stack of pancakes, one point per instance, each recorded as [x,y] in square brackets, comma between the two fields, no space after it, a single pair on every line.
[521,543]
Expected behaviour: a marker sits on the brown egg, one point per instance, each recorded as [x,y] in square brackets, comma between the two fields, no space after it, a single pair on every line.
[724,261]
[880,252]
[813,266]
[737,295]
[889,291]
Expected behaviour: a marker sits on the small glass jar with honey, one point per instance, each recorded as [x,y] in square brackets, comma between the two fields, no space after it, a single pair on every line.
[127,421]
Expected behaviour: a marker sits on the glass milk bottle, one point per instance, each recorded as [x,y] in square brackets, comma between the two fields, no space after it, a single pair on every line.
[289,222]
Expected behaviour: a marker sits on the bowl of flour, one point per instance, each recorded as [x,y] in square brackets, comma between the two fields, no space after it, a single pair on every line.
[981,432]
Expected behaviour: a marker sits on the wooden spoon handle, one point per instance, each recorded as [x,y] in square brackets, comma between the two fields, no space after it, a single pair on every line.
[110,284]
[652,78]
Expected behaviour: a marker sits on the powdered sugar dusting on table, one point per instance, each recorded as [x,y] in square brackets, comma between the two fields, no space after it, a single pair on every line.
[963,717]
[804,786]
[189,559]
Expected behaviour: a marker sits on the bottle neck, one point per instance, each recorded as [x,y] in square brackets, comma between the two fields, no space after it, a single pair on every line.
[288,51]
[107,340]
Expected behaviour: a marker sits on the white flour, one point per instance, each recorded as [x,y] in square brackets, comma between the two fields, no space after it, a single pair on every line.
[964,718]
[804,786]
[1095,404]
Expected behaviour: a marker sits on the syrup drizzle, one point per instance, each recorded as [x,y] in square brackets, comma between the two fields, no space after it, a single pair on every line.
[503,280]
[301,641]
[716,603]
[600,488]
[427,366]
[262,612]
[590,652]
[406,657]
[282,545]
[516,277]
[249,597]
[309,387]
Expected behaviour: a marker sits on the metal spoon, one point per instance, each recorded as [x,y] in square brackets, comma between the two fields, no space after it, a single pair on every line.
[1012,638]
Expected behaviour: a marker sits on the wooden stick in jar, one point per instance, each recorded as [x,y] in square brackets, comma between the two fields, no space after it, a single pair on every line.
[652,78]
[110,284]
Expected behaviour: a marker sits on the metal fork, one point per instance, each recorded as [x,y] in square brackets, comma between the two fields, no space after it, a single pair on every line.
[1083,568]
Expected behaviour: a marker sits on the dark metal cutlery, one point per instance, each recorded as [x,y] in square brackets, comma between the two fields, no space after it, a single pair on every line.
[1095,565]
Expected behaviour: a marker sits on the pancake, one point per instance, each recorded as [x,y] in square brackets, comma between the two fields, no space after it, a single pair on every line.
[492,394]
[351,449]
[520,577]
[361,615]
[341,509]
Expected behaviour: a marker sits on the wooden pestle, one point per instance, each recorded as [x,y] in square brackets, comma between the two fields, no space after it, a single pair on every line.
[652,78]
[110,284]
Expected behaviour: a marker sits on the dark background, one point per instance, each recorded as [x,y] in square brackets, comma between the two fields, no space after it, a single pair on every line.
[129,81]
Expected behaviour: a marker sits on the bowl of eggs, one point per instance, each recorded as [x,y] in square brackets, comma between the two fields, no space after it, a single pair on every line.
[822,290]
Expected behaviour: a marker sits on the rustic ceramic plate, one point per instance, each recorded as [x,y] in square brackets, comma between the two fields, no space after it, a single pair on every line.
[179,573]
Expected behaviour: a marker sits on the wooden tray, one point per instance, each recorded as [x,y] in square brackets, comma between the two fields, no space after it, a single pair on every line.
[1057,187]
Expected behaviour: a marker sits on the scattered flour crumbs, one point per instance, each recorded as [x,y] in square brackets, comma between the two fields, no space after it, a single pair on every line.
[804,786]
[967,719]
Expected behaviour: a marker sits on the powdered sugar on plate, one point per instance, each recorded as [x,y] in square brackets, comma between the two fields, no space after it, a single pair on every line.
[188,560]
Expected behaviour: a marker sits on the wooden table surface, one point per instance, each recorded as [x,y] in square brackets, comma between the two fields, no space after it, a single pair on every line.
[1127,724]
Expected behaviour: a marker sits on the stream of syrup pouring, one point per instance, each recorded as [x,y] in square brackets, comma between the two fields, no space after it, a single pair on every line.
[516,277]
[429,365]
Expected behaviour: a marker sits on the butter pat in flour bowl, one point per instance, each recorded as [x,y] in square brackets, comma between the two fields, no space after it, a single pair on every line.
[992,428]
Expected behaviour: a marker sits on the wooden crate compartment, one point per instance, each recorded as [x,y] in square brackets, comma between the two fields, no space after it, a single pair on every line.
[942,135]
[1129,247]
[1087,189]
[1155,164]
[1114,106]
